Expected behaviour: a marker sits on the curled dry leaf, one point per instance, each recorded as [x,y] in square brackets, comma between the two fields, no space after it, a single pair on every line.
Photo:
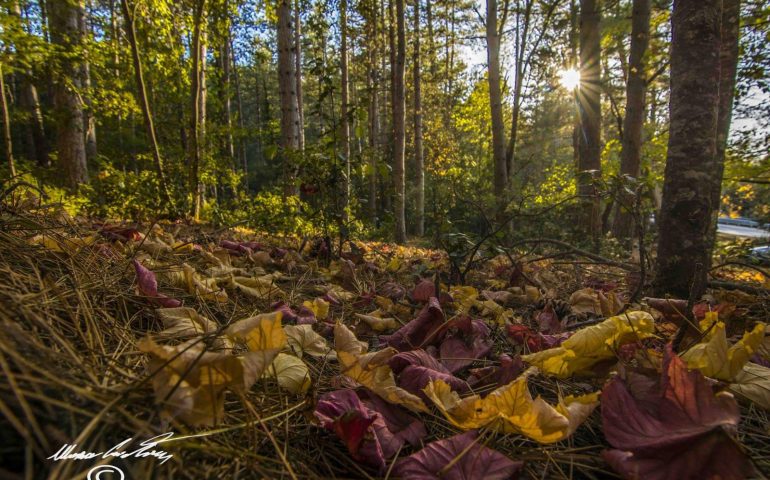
[261,334]
[371,369]
[184,322]
[460,457]
[753,383]
[291,373]
[688,433]
[189,280]
[715,357]
[302,339]
[416,368]
[420,332]
[511,409]
[377,323]
[319,307]
[147,284]
[260,287]
[589,346]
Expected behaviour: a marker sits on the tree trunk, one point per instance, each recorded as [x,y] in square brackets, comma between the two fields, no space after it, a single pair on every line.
[89,120]
[227,94]
[518,83]
[239,106]
[298,74]
[728,66]
[68,111]
[344,114]
[287,90]
[418,151]
[496,106]
[144,103]
[692,166]
[197,106]
[374,109]
[399,112]
[589,101]
[636,87]
[7,142]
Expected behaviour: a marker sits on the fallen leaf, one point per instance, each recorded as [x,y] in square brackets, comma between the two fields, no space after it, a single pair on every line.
[688,434]
[302,339]
[185,322]
[589,346]
[753,383]
[291,372]
[585,300]
[379,324]
[423,330]
[511,409]
[416,368]
[460,457]
[260,287]
[147,284]
[423,291]
[319,307]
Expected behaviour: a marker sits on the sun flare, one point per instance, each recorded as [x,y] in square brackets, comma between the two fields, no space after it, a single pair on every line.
[569,78]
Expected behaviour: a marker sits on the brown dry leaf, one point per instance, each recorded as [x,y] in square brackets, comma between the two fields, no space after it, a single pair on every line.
[585,301]
[302,339]
[260,287]
[185,322]
[194,284]
[291,373]
[753,383]
[610,304]
[377,323]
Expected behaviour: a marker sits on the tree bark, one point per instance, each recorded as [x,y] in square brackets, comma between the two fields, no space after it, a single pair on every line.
[344,114]
[298,74]
[374,107]
[7,141]
[239,106]
[226,92]
[419,164]
[496,106]
[89,120]
[399,112]
[68,111]
[687,212]
[197,107]
[287,91]
[589,103]
[144,103]
[633,122]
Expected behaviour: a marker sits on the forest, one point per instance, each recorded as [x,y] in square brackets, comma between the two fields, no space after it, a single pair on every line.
[419,239]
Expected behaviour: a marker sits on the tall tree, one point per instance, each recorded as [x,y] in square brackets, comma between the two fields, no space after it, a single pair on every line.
[373,84]
[89,119]
[496,105]
[344,113]
[399,118]
[692,166]
[298,72]
[287,91]
[197,105]
[419,164]
[589,103]
[7,141]
[636,88]
[66,36]
[144,103]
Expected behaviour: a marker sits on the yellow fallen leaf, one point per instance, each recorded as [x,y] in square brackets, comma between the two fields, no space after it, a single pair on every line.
[499,314]
[291,372]
[190,383]
[511,409]
[753,383]
[464,298]
[61,244]
[303,339]
[593,344]
[260,287]
[194,284]
[377,323]
[714,356]
[371,369]
[319,307]
[262,333]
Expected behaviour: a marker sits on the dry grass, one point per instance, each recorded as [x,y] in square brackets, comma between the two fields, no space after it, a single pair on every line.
[72,373]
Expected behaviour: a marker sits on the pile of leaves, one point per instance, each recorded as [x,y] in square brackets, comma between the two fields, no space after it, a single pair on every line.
[277,357]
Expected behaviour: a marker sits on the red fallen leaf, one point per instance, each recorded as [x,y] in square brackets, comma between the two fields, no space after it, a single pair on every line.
[423,330]
[497,376]
[121,234]
[364,300]
[599,284]
[278,252]
[724,310]
[423,291]
[364,430]
[462,347]
[689,434]
[241,248]
[392,291]
[148,286]
[523,335]
[457,458]
[548,320]
[416,368]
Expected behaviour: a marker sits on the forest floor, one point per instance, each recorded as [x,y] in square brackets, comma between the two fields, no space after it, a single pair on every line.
[125,331]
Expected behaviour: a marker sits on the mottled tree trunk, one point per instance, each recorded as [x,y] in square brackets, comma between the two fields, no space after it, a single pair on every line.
[197,107]
[419,164]
[399,118]
[68,111]
[589,102]
[344,113]
[373,77]
[226,97]
[89,120]
[728,66]
[298,73]
[7,142]
[496,106]
[692,166]
[633,122]
[287,91]
[144,103]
